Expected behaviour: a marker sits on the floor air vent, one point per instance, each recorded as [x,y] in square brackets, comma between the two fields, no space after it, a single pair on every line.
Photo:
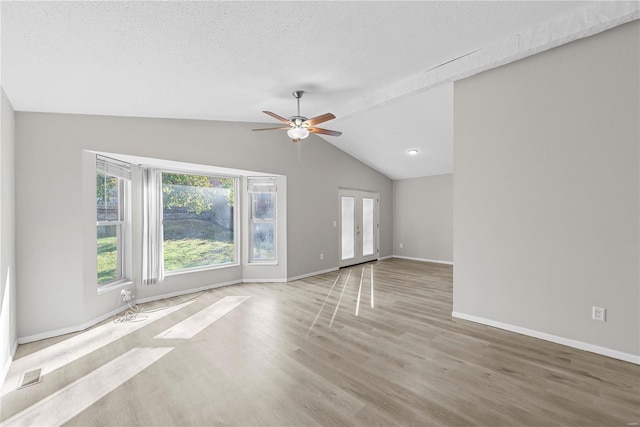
[30,378]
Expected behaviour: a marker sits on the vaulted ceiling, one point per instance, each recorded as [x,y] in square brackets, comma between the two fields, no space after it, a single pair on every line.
[385,69]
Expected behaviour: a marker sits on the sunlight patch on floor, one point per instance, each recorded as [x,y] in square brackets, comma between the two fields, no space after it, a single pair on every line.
[344,287]
[66,403]
[195,324]
[69,350]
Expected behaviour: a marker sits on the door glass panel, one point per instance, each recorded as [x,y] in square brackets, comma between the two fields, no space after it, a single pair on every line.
[348,216]
[367,227]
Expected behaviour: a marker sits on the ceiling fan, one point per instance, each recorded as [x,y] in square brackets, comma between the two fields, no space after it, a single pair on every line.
[298,127]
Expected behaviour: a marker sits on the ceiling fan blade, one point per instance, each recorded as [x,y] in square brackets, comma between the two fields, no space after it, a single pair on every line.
[319,119]
[325,131]
[281,128]
[277,117]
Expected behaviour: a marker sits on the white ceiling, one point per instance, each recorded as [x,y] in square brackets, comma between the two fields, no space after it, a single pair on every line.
[370,63]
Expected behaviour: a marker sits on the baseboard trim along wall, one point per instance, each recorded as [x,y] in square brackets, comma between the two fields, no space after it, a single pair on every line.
[90,323]
[437,261]
[187,291]
[68,330]
[615,354]
[264,281]
[315,273]
[83,326]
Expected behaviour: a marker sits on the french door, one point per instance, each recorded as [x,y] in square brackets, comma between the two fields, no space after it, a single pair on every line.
[359,226]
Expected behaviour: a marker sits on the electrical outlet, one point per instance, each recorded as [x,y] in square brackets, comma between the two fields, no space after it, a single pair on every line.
[599,313]
[321,256]
[401,245]
[126,295]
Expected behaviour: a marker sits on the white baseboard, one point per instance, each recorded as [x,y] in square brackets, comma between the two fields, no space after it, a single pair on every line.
[615,354]
[437,261]
[315,273]
[264,281]
[90,323]
[385,257]
[68,330]
[187,291]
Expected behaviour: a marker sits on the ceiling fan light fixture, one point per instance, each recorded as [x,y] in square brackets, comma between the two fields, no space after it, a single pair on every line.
[298,133]
[299,127]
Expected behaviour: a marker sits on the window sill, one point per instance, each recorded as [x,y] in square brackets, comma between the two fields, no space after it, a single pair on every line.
[199,269]
[265,263]
[114,286]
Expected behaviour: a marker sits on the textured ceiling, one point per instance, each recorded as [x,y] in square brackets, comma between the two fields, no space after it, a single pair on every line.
[364,61]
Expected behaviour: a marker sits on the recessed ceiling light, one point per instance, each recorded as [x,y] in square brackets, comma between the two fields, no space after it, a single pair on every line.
[413,151]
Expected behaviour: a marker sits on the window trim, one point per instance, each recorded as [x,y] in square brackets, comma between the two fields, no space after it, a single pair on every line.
[257,181]
[236,209]
[121,172]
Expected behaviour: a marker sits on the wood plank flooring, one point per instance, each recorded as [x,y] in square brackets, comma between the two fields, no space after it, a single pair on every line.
[291,356]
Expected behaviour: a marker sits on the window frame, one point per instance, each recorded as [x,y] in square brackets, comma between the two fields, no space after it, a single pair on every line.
[236,249]
[122,224]
[271,181]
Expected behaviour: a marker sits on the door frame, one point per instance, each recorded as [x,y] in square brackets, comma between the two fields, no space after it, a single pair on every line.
[359,195]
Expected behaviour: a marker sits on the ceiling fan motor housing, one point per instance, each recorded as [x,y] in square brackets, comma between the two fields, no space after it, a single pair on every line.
[299,121]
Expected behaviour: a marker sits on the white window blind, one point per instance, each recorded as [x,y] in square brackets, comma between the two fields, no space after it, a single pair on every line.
[113,167]
[262,184]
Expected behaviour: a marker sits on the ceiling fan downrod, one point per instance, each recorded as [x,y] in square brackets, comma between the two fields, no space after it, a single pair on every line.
[297,94]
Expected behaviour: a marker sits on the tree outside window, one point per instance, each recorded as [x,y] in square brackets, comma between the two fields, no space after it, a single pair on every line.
[198,220]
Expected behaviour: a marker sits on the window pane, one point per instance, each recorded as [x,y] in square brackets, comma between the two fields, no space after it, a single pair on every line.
[108,258]
[348,241]
[107,197]
[197,221]
[263,205]
[367,227]
[262,244]
[263,213]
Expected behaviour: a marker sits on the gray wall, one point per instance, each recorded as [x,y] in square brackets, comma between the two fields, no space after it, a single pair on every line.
[423,218]
[53,290]
[7,236]
[546,192]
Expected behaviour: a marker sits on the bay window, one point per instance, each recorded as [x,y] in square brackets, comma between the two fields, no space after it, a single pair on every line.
[112,219]
[197,220]
[262,241]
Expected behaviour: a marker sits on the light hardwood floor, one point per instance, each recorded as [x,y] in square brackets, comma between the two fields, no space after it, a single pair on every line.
[286,356]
